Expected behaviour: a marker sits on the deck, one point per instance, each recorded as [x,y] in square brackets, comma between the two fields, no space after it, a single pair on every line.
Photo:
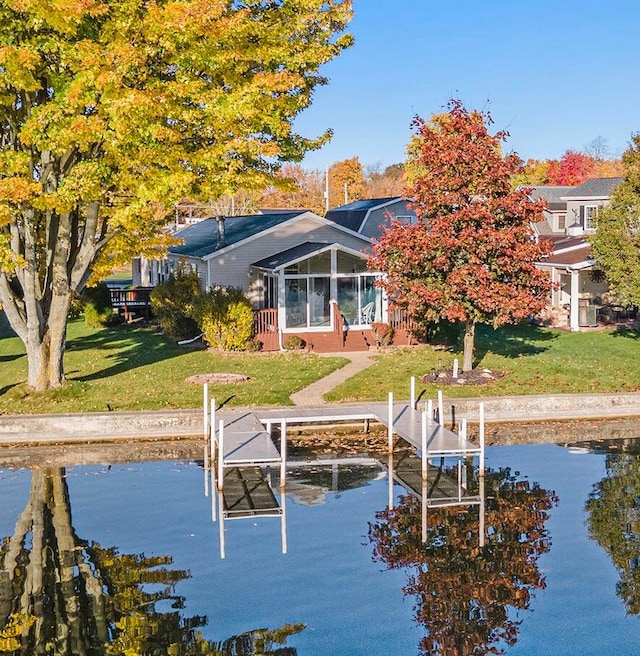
[241,437]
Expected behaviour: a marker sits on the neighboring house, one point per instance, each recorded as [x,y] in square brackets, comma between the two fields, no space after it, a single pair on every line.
[570,218]
[305,274]
[367,216]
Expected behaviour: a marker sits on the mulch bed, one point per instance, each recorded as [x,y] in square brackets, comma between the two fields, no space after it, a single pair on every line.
[473,377]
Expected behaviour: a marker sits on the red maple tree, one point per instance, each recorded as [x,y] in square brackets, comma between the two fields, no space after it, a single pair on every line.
[571,169]
[472,255]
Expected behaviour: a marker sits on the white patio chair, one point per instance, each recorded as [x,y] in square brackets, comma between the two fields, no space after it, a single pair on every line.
[366,314]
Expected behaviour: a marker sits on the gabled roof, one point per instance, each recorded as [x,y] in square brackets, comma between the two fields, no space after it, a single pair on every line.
[550,193]
[297,253]
[594,188]
[291,255]
[201,239]
[353,215]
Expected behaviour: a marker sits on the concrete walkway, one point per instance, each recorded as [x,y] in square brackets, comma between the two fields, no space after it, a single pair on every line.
[312,395]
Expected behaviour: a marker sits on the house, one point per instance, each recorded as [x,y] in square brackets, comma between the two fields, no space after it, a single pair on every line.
[305,274]
[367,216]
[570,218]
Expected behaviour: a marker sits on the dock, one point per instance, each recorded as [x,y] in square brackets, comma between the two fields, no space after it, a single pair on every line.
[239,438]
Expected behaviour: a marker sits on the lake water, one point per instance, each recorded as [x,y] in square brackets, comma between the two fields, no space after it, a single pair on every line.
[129,554]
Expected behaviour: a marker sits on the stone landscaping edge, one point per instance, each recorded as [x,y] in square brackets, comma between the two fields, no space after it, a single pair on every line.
[186,424]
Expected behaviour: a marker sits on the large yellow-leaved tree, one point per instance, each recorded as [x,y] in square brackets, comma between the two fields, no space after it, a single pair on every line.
[113,110]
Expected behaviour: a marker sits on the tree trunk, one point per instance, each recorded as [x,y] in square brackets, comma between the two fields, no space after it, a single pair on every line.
[469,338]
[45,346]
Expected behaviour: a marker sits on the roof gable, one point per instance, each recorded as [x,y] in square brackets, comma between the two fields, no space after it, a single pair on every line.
[594,188]
[353,215]
[295,254]
[201,239]
[550,193]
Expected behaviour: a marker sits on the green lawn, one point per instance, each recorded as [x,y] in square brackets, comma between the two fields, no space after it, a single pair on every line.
[135,368]
[535,360]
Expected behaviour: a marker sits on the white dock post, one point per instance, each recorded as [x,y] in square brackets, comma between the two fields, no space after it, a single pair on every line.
[212,424]
[455,367]
[223,548]
[214,495]
[390,429]
[463,429]
[205,409]
[424,446]
[283,453]
[440,409]
[390,466]
[283,520]
[482,508]
[413,393]
[425,500]
[221,455]
[481,419]
[430,409]
[206,468]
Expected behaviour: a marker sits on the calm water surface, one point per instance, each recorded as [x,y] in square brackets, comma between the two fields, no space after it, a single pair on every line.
[128,554]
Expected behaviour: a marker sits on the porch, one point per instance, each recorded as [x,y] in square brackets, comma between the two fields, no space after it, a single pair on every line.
[324,295]
[335,337]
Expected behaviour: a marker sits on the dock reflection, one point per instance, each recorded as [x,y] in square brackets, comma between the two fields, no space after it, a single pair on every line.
[258,492]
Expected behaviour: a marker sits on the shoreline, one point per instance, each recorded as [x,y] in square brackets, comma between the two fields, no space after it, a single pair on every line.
[518,412]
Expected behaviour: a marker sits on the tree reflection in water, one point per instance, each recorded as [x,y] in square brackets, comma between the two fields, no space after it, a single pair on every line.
[62,595]
[466,594]
[614,522]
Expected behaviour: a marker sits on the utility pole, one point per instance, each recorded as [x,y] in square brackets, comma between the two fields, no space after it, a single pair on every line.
[326,188]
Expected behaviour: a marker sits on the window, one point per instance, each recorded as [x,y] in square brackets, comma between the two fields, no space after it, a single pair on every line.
[562,221]
[590,217]
[349,263]
[359,300]
[269,291]
[307,301]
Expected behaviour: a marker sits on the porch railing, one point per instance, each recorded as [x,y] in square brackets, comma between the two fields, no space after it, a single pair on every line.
[132,302]
[266,329]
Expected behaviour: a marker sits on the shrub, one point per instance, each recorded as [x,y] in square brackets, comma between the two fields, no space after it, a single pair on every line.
[98,311]
[254,345]
[294,343]
[75,308]
[172,304]
[382,333]
[225,316]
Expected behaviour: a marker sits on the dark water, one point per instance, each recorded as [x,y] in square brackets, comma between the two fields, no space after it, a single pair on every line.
[128,555]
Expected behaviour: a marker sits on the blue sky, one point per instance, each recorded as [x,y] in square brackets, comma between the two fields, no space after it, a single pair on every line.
[555,74]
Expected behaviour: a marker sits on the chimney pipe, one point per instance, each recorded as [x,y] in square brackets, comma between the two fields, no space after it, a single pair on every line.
[222,242]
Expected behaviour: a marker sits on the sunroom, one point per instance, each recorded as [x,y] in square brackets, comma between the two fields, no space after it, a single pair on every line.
[308,283]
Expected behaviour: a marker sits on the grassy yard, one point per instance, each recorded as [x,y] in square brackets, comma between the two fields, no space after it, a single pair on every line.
[135,368]
[535,361]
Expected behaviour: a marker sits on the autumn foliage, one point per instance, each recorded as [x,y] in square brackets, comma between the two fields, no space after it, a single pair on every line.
[472,256]
[465,594]
[112,112]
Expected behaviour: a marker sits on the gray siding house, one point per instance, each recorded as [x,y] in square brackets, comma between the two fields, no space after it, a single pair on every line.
[582,292]
[304,274]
